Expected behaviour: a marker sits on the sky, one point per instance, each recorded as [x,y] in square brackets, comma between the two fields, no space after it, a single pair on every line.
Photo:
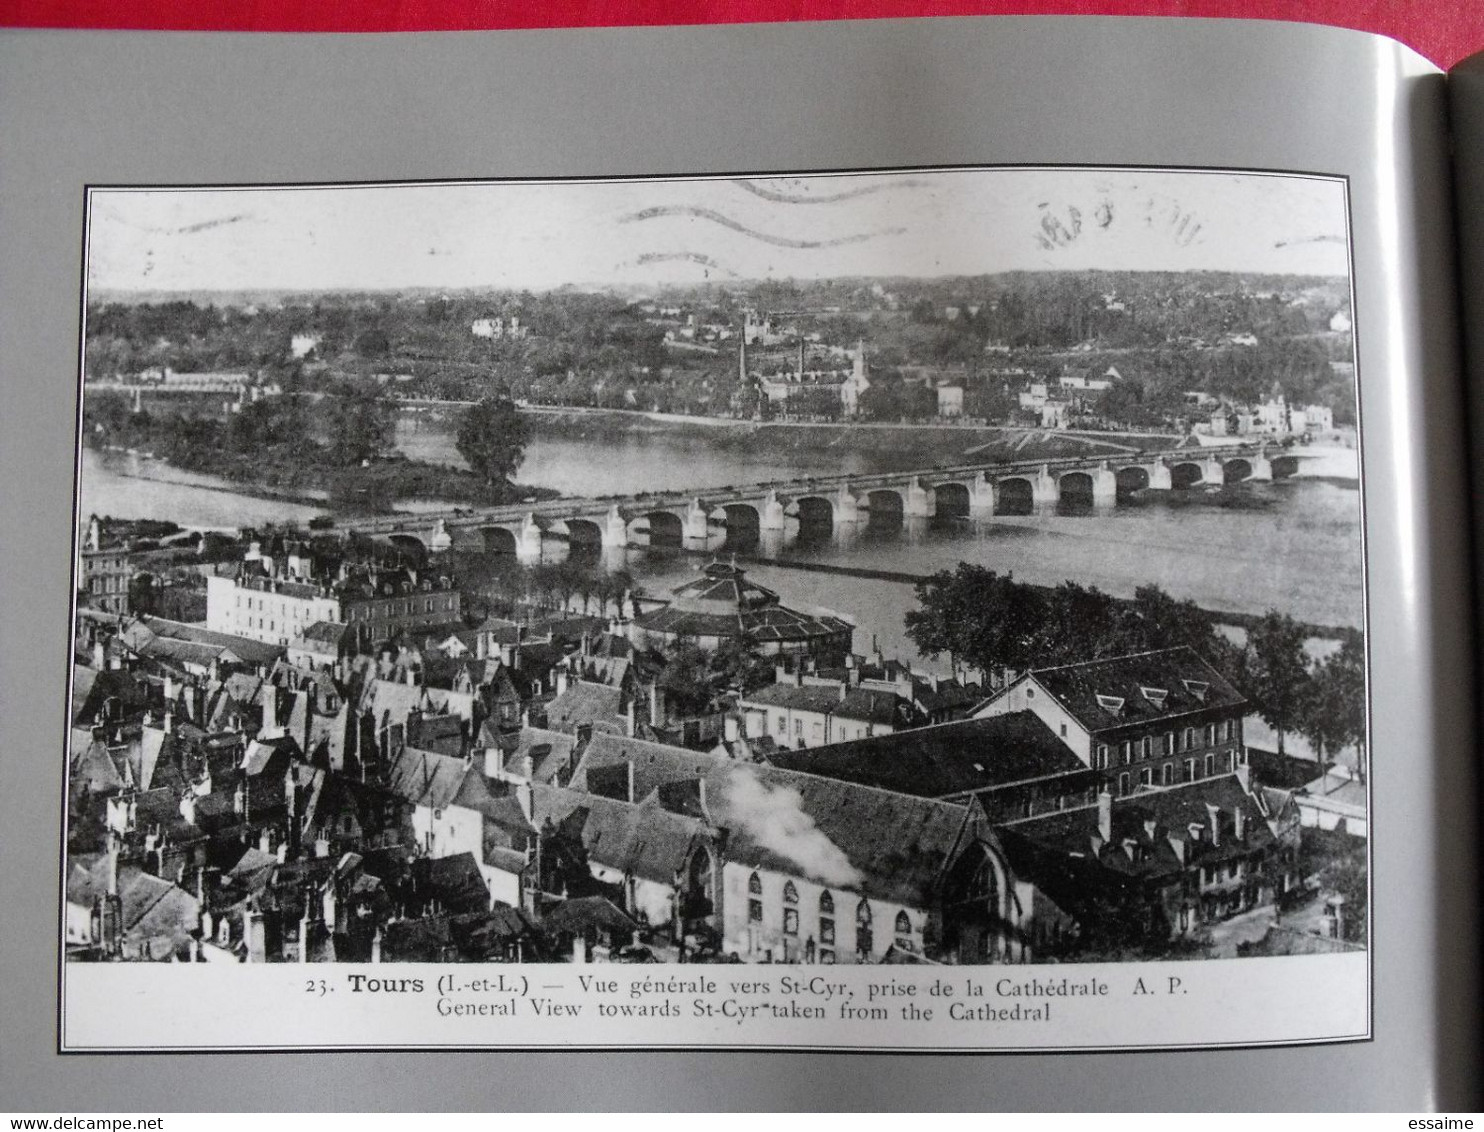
[542,235]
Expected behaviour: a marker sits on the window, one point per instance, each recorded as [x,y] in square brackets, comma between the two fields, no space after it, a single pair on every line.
[1210,765]
[1146,747]
[782,727]
[1167,774]
[1189,738]
[790,921]
[826,904]
[1189,770]
[1146,776]
[1125,752]
[903,930]
[754,911]
[864,943]
[1210,734]
[1102,759]
[1123,783]
[798,727]
[790,893]
[1063,730]
[827,957]
[1169,742]
[755,885]
[826,930]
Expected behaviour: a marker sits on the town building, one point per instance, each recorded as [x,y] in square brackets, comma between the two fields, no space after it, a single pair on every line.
[266,600]
[722,607]
[1147,719]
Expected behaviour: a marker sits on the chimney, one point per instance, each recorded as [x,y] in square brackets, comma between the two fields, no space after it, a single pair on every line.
[255,935]
[561,685]
[701,797]
[629,776]
[1239,821]
[1105,815]
[523,794]
[100,656]
[493,767]
[1335,916]
[633,723]
[656,705]
[1214,813]
[730,729]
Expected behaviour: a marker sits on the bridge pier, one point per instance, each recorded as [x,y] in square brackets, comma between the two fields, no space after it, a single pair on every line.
[1045,488]
[847,507]
[440,540]
[695,528]
[1104,487]
[982,496]
[771,515]
[1213,471]
[1159,476]
[615,530]
[528,540]
[1262,470]
[918,502]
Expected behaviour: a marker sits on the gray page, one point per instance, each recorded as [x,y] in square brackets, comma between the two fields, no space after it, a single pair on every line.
[128,109]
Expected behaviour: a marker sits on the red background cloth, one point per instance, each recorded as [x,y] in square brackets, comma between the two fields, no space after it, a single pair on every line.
[1443,30]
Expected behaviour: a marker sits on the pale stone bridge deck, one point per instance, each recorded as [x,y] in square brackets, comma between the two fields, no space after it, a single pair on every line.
[701,520]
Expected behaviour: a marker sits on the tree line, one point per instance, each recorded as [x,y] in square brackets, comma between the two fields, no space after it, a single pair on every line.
[1002,627]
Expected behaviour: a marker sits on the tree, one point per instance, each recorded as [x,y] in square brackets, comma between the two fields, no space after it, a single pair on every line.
[978,617]
[1335,715]
[492,438]
[361,426]
[1277,672]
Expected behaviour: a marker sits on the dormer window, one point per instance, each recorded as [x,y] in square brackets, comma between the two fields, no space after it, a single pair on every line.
[1113,705]
[1197,688]
[1156,696]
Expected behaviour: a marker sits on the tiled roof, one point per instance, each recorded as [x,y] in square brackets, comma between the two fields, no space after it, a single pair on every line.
[584,703]
[840,834]
[863,704]
[1168,811]
[1125,691]
[943,759]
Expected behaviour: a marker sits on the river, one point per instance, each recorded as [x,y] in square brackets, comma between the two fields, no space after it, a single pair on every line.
[1292,545]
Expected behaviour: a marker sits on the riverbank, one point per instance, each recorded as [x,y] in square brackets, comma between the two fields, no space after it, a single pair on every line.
[373,489]
[887,446]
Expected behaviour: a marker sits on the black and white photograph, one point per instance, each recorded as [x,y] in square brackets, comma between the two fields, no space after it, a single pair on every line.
[918,569]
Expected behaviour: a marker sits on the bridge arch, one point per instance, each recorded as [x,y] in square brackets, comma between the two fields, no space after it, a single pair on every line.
[1285,467]
[1131,479]
[885,507]
[744,524]
[659,528]
[952,500]
[816,513]
[409,544]
[1187,473]
[584,537]
[1235,471]
[498,540]
[1015,496]
[1075,490]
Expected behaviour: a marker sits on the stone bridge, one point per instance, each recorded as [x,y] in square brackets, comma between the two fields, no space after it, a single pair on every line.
[703,521]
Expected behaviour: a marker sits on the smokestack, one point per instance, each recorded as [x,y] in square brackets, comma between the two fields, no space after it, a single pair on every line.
[1105,815]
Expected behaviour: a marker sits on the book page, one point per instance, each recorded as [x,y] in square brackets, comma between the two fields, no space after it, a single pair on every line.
[747,588]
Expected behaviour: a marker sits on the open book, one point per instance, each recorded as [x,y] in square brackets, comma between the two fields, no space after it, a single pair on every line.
[935,537]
